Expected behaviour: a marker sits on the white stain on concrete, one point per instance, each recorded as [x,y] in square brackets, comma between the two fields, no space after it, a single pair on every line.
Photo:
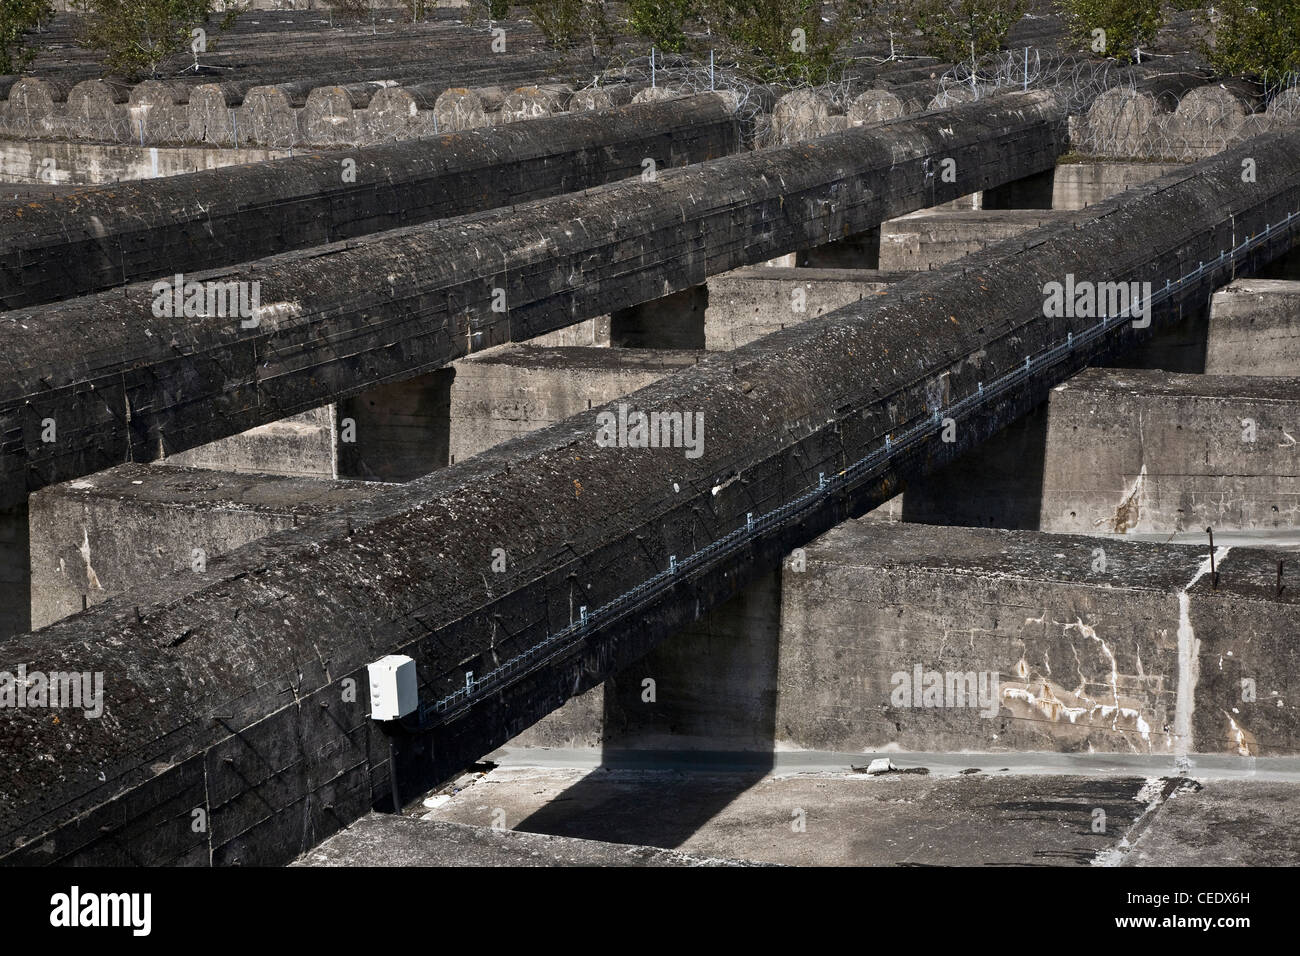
[1188,665]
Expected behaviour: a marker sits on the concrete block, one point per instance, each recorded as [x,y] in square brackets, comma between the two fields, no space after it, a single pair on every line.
[748,303]
[674,321]
[457,109]
[98,536]
[328,118]
[15,572]
[801,115]
[211,119]
[1140,655]
[267,118]
[875,106]
[393,114]
[510,391]
[300,446]
[1079,185]
[927,240]
[1148,451]
[1254,329]
[395,432]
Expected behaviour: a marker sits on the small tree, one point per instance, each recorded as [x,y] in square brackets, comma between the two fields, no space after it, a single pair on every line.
[662,22]
[17,17]
[565,23]
[1112,28]
[956,30]
[781,40]
[349,9]
[137,36]
[1256,38]
[890,20]
[416,8]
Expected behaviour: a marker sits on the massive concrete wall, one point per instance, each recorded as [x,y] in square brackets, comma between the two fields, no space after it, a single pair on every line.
[99,536]
[98,239]
[27,163]
[750,303]
[255,723]
[138,386]
[1136,653]
[1254,329]
[1148,451]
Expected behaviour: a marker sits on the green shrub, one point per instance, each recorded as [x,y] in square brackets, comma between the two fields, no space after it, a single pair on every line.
[956,30]
[781,40]
[1125,25]
[1259,38]
[136,37]
[662,22]
[565,23]
[17,18]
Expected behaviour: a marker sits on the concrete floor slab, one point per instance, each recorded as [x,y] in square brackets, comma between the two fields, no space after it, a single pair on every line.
[972,819]
[392,840]
[1225,823]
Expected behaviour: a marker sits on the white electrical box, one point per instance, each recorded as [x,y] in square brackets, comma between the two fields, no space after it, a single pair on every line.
[393,692]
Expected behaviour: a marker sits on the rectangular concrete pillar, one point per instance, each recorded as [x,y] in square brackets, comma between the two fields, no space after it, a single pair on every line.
[1129,451]
[591,333]
[1153,452]
[675,321]
[750,303]
[712,687]
[106,533]
[1286,268]
[396,432]
[928,240]
[1254,329]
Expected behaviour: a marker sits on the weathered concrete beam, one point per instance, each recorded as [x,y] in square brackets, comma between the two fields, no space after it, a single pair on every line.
[231,693]
[104,238]
[139,385]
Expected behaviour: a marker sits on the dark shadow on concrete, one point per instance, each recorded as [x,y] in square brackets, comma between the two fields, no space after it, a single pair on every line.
[704,700]
[673,322]
[400,431]
[1032,192]
[1180,348]
[997,485]
[861,251]
[15,572]
[1287,267]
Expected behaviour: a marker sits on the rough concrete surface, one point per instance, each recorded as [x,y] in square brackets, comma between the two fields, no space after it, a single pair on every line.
[1225,823]
[790,407]
[982,819]
[394,840]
